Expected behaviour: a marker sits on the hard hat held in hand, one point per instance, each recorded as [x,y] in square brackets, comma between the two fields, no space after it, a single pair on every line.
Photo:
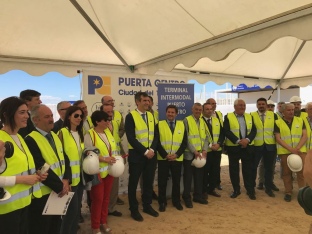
[294,162]
[199,162]
[90,164]
[117,168]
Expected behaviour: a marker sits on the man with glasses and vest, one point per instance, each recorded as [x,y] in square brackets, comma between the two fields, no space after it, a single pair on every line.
[216,138]
[46,147]
[197,146]
[291,136]
[61,109]
[219,116]
[240,132]
[171,145]
[142,138]
[265,145]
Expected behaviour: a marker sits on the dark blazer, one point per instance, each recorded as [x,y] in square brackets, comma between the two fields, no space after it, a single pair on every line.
[52,181]
[28,129]
[230,135]
[163,153]
[58,125]
[137,153]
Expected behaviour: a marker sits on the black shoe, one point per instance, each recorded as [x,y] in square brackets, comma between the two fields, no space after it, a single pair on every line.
[154,196]
[260,186]
[287,198]
[81,219]
[270,193]
[274,188]
[120,202]
[149,210]
[205,196]
[188,203]
[178,206]
[219,187]
[235,194]
[115,213]
[251,195]
[162,207]
[214,193]
[137,216]
[200,201]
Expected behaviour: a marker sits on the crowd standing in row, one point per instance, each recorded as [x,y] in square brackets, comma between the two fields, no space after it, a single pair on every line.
[255,139]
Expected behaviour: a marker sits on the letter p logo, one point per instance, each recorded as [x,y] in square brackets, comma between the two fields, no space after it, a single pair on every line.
[102,85]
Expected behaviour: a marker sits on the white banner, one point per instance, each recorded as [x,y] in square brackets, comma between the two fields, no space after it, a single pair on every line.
[122,87]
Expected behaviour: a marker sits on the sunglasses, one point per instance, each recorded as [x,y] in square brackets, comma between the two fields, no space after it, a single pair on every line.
[77,115]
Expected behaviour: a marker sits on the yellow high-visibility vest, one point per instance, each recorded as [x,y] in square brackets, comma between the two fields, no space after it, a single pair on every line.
[71,149]
[144,134]
[196,134]
[21,163]
[290,136]
[234,127]
[56,162]
[265,131]
[171,142]
[216,128]
[104,149]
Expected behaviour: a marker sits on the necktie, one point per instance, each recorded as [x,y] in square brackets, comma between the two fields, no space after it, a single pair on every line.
[51,141]
[262,118]
[209,125]
[144,118]
[171,126]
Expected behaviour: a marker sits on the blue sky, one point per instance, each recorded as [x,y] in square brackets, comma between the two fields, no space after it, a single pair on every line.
[54,87]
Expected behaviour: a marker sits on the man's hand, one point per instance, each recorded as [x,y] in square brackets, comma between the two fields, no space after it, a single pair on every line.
[243,142]
[150,154]
[171,157]
[66,188]
[215,147]
[197,154]
[204,154]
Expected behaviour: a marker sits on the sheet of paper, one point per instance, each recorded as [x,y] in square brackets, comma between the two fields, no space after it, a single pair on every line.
[57,205]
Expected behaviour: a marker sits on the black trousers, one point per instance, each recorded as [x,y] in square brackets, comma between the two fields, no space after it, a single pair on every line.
[15,222]
[145,167]
[38,223]
[212,171]
[175,167]
[187,179]
[268,158]
[246,156]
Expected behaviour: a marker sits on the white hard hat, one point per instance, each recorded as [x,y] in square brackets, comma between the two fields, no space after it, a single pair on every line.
[270,102]
[199,162]
[91,164]
[117,168]
[295,99]
[294,162]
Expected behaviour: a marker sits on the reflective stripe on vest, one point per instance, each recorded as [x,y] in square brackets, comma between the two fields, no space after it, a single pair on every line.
[104,151]
[21,163]
[265,131]
[196,135]
[171,142]
[56,162]
[144,134]
[72,151]
[216,129]
[234,127]
[290,137]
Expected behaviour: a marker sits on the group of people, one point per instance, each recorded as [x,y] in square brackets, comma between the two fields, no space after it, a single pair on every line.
[171,145]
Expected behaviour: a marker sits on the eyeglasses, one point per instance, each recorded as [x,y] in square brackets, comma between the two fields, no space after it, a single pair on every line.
[77,115]
[64,109]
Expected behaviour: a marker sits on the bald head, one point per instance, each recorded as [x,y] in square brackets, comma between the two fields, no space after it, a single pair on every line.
[108,100]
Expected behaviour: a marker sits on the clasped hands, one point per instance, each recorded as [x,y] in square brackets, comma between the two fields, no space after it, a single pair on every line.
[243,142]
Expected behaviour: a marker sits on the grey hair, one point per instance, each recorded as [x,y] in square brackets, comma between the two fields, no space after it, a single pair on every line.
[284,106]
[35,112]
[308,104]
[196,104]
[59,105]
[237,100]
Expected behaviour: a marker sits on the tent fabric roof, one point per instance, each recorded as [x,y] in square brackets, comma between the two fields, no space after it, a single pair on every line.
[226,38]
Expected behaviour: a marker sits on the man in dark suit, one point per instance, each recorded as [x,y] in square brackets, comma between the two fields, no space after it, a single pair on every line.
[32,98]
[61,109]
[142,138]
[240,132]
[46,147]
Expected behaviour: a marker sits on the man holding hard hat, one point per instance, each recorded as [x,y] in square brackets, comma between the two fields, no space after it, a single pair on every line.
[290,133]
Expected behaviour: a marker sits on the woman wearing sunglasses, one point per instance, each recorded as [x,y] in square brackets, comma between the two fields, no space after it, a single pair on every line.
[71,136]
[21,178]
[101,137]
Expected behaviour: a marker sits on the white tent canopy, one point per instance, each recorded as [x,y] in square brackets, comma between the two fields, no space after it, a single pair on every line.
[260,42]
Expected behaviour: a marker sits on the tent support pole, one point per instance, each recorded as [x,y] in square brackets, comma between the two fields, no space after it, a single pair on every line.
[278,94]
[99,32]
